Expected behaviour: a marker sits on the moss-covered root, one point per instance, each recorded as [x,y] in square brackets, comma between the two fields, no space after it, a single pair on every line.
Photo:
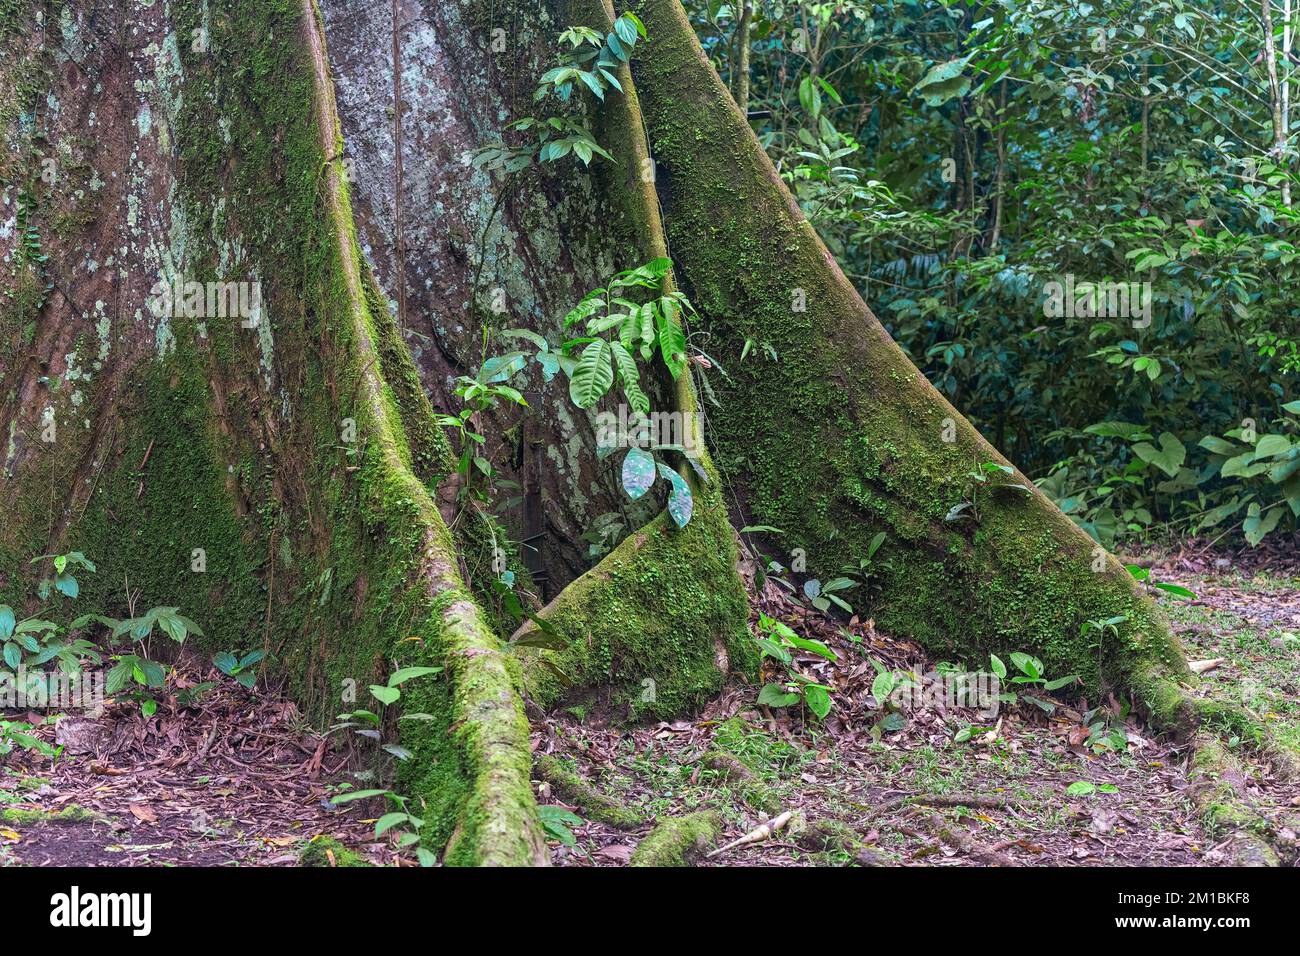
[657,624]
[825,835]
[742,780]
[1216,784]
[674,842]
[498,825]
[327,851]
[572,786]
[880,449]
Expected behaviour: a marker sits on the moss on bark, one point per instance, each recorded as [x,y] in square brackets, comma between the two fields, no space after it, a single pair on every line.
[572,786]
[842,437]
[676,840]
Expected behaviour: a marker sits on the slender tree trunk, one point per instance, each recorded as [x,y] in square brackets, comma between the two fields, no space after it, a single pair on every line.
[1276,95]
[740,87]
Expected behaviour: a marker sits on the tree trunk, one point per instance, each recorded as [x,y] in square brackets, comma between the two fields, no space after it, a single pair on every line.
[296,450]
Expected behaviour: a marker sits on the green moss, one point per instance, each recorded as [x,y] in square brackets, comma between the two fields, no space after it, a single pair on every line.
[326,851]
[672,842]
[571,786]
[72,813]
[649,626]
[841,438]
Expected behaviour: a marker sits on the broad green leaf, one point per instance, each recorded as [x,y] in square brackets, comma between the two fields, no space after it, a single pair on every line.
[1219,446]
[818,699]
[1169,457]
[404,674]
[773,695]
[631,376]
[672,342]
[680,502]
[388,821]
[1269,446]
[351,795]
[638,472]
[593,375]
[811,646]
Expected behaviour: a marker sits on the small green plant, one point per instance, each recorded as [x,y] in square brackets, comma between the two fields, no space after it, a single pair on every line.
[588,63]
[369,724]
[1106,731]
[620,332]
[136,675]
[402,823]
[62,581]
[1144,576]
[35,641]
[1101,627]
[242,669]
[556,821]
[1032,675]
[852,577]
[887,682]
[779,642]
[1084,788]
[19,734]
[480,392]
[979,477]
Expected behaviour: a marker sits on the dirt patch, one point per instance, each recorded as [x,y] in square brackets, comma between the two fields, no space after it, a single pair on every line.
[237,779]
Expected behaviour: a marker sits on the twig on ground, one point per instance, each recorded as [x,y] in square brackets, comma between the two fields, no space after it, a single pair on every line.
[758,834]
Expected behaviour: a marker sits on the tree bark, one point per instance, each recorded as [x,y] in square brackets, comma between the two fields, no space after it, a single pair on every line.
[298,450]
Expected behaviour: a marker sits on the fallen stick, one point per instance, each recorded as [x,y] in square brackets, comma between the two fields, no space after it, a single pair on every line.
[946,800]
[960,841]
[1200,667]
[758,834]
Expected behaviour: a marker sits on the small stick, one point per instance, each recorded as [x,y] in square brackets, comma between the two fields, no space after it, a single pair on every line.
[946,800]
[758,834]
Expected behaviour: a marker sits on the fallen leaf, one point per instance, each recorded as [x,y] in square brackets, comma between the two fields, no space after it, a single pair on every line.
[616,852]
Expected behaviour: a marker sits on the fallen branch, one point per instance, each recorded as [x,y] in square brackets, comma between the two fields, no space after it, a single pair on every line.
[758,834]
[947,800]
[674,840]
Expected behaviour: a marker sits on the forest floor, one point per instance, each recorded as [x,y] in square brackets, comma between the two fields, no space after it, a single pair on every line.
[241,779]
[1024,788]
[237,779]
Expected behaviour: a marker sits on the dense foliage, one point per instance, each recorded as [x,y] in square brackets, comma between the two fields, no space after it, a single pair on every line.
[976,165]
